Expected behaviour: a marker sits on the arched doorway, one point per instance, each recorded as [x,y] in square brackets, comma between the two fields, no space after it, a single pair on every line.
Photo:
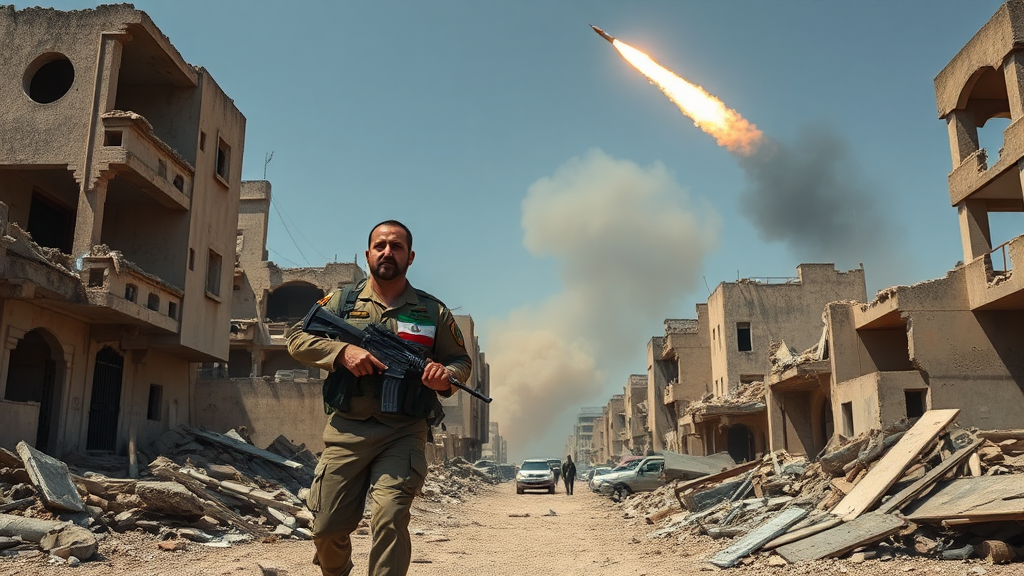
[105,404]
[290,302]
[741,443]
[33,377]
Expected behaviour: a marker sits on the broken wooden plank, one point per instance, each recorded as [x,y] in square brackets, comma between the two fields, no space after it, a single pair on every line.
[246,448]
[998,436]
[723,475]
[9,459]
[52,478]
[843,538]
[802,533]
[889,469]
[973,499]
[903,497]
[758,536]
[17,504]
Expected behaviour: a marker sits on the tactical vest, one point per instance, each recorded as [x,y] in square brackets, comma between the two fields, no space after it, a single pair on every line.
[415,399]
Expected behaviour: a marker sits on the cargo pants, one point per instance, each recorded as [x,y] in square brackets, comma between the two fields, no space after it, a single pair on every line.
[367,457]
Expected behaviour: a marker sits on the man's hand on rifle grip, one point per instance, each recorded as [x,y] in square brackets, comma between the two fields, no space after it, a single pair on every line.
[435,377]
[358,361]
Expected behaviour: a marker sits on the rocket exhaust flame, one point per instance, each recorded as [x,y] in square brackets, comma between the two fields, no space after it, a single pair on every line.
[708,113]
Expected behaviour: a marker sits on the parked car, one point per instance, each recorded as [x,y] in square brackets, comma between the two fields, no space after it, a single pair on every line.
[535,474]
[556,467]
[596,475]
[645,477]
[603,483]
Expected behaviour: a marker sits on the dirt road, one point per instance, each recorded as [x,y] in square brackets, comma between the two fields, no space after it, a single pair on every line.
[496,532]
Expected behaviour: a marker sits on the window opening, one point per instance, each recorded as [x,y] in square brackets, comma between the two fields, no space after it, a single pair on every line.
[179,182]
[172,310]
[847,408]
[191,259]
[743,343]
[915,402]
[213,273]
[131,292]
[96,277]
[112,138]
[202,141]
[153,302]
[223,160]
[51,81]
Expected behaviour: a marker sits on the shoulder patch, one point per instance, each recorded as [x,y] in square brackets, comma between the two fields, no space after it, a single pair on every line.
[359,314]
[457,333]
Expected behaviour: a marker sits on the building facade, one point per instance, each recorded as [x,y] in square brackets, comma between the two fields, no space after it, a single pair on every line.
[120,170]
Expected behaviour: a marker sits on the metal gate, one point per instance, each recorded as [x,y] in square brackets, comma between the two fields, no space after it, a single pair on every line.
[46,406]
[106,401]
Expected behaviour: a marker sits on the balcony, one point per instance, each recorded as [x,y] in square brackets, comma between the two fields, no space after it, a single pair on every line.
[991,283]
[278,332]
[121,293]
[130,149]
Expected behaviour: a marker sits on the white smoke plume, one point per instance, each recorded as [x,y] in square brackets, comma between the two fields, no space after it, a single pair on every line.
[629,244]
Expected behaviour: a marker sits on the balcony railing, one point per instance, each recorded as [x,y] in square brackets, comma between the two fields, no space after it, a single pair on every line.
[998,256]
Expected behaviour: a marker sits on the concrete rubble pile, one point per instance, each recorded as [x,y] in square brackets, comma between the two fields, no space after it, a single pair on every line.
[929,490]
[450,482]
[199,486]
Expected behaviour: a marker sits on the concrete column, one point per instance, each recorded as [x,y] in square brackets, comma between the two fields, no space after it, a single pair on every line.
[974,230]
[776,421]
[93,191]
[89,221]
[963,135]
[1013,74]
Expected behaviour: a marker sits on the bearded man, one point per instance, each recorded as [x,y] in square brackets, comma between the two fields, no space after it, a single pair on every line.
[369,451]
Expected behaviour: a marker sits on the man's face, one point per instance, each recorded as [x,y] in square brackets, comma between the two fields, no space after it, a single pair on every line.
[389,256]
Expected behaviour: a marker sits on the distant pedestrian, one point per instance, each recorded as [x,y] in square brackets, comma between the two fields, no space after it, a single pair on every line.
[568,474]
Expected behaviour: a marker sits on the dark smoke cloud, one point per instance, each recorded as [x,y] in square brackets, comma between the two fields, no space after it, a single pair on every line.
[814,197]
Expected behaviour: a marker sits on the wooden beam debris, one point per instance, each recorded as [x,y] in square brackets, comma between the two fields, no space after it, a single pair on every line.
[246,448]
[758,537]
[888,470]
[843,538]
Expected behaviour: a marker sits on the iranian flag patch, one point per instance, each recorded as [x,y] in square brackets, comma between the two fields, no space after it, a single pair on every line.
[418,330]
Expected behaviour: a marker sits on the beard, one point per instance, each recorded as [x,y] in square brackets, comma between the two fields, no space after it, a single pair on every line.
[388,269]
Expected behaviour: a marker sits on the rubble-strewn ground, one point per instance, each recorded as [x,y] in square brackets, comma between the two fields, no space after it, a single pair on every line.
[480,537]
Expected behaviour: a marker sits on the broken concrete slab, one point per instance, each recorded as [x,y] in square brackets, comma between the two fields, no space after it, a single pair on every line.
[52,478]
[168,498]
[686,467]
[29,529]
[69,541]
[246,448]
[758,537]
[843,538]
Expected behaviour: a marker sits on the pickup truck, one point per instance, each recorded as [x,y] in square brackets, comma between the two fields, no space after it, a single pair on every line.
[646,477]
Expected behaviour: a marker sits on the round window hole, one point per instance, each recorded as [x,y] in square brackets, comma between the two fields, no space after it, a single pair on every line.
[51,80]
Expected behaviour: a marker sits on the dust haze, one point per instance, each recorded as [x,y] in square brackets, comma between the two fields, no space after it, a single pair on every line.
[813,196]
[629,243]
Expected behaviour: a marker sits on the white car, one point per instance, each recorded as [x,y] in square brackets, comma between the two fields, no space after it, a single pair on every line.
[535,474]
[596,477]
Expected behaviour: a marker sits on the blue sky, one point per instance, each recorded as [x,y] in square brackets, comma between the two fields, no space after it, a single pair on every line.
[448,115]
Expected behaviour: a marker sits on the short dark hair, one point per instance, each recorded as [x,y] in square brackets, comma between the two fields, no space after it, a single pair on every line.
[408,234]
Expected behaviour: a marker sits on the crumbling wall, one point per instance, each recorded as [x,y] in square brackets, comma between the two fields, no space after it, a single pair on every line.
[266,408]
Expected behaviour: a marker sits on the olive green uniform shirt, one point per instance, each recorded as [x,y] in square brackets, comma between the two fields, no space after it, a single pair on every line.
[448,347]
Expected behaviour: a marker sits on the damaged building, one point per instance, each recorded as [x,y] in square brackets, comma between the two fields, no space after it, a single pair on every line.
[953,342]
[120,170]
[710,371]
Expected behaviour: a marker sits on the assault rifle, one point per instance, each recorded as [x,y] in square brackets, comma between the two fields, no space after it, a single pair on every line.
[400,356]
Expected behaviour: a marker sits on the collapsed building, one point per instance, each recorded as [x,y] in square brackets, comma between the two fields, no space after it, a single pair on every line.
[120,170]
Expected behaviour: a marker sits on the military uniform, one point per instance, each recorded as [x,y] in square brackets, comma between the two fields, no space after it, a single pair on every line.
[368,451]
